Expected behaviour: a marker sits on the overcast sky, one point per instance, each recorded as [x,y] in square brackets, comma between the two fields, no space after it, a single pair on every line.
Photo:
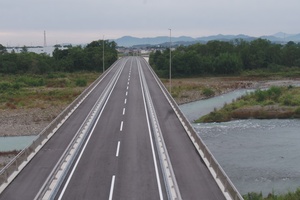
[23,22]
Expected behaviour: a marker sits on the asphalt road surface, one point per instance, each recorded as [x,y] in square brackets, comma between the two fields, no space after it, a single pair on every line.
[119,159]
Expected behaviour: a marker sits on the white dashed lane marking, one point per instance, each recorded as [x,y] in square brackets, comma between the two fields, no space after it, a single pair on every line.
[121,126]
[118,149]
[112,188]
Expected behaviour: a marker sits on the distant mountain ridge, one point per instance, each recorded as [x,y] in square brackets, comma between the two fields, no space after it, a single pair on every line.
[129,41]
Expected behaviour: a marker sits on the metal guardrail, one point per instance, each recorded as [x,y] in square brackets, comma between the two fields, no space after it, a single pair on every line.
[57,176]
[166,166]
[25,155]
[9,172]
[213,165]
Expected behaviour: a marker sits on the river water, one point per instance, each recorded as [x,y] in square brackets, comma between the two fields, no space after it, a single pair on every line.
[257,155]
[15,142]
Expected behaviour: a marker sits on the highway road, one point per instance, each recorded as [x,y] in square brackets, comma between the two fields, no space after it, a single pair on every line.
[120,157]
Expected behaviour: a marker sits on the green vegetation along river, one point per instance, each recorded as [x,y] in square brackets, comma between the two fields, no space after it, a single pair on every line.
[275,102]
[257,155]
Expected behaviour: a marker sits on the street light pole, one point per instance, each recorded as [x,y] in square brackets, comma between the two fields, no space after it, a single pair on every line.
[170,70]
[103,53]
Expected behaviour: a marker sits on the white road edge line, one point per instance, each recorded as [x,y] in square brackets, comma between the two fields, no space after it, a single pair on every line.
[118,149]
[151,141]
[112,187]
[86,142]
[79,157]
[121,126]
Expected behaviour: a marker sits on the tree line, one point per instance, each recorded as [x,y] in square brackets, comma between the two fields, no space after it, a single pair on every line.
[78,58]
[219,57]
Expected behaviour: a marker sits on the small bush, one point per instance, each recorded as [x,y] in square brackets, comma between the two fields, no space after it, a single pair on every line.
[260,95]
[50,76]
[269,102]
[287,101]
[288,196]
[81,82]
[274,92]
[5,86]
[215,116]
[59,82]
[56,75]
[297,111]
[16,86]
[253,196]
[31,81]
[207,92]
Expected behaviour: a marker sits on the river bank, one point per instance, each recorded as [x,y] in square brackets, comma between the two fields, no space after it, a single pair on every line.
[257,155]
[277,102]
[187,90]
[31,120]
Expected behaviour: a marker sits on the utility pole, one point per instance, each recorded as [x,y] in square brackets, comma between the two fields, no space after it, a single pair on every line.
[45,40]
[103,53]
[170,70]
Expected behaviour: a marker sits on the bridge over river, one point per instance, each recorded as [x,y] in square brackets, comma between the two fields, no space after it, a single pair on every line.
[124,137]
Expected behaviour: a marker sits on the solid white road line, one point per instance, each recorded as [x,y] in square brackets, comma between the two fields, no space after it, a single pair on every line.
[82,151]
[118,149]
[121,126]
[86,142]
[151,141]
[123,111]
[112,187]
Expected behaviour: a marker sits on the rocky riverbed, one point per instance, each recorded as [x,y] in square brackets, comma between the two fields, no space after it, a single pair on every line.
[31,121]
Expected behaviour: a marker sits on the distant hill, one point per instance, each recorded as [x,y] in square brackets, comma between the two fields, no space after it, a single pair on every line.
[282,35]
[295,38]
[129,41]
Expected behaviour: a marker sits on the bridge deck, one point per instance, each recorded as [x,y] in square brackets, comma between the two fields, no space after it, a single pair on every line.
[121,158]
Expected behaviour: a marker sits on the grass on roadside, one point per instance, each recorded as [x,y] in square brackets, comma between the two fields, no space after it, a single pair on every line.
[42,91]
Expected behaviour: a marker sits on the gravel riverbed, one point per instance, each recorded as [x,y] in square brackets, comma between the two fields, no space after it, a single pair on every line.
[31,121]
